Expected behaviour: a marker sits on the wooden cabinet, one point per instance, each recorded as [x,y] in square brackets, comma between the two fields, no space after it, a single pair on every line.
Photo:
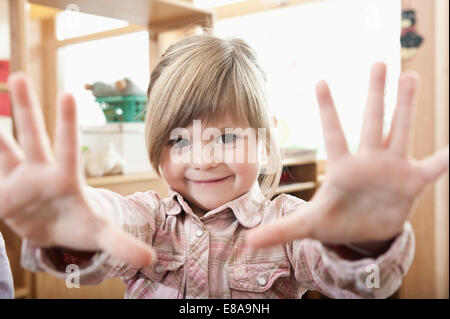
[302,177]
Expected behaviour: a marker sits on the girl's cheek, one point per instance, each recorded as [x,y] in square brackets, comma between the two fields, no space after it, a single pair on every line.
[173,172]
[248,171]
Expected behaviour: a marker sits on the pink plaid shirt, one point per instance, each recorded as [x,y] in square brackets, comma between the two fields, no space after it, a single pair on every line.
[208,256]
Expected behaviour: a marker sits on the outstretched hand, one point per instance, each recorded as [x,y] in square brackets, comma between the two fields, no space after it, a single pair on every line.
[367,196]
[42,197]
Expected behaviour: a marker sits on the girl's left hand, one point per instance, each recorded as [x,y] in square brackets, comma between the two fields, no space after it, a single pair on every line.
[369,195]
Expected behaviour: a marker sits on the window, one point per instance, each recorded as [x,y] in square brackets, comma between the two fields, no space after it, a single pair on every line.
[300,45]
[106,60]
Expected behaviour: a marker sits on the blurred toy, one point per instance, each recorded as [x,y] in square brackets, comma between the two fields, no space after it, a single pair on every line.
[101,89]
[128,87]
[410,39]
[122,102]
[104,162]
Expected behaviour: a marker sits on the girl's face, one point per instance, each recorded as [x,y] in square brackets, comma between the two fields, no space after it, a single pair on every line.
[212,163]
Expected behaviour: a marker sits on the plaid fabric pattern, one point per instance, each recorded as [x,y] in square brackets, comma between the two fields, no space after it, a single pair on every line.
[208,256]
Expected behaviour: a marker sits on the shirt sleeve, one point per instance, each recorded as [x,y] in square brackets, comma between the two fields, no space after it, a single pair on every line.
[320,268]
[6,279]
[136,214]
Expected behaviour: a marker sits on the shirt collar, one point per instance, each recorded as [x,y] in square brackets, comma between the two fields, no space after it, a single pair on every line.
[248,208]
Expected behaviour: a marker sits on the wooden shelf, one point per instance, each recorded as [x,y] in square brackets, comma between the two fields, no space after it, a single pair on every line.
[158,15]
[295,187]
[299,160]
[21,292]
[3,87]
[121,179]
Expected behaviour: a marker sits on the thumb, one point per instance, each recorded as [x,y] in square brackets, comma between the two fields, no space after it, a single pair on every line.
[126,248]
[435,165]
[297,225]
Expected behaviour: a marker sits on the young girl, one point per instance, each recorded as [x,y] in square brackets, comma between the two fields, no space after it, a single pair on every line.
[218,234]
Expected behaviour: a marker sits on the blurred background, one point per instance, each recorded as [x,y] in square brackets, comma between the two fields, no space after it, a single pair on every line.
[103,53]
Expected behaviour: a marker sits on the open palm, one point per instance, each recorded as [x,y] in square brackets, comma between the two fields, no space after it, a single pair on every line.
[365,196]
[43,197]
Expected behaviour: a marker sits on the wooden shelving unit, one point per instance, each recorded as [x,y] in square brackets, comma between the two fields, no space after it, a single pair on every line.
[158,15]
[295,187]
[155,16]
[303,173]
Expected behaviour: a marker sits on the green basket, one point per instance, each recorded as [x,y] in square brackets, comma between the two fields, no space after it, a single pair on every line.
[125,108]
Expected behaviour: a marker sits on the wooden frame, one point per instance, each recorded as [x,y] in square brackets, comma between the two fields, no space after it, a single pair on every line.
[158,15]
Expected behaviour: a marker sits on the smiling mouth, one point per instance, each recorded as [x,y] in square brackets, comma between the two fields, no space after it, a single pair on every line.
[210,181]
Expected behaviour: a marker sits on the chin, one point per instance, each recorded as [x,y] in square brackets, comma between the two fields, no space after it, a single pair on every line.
[211,204]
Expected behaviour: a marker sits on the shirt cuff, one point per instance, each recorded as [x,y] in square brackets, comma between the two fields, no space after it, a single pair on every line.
[90,271]
[372,277]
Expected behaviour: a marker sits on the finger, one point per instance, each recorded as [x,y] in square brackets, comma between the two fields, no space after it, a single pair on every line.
[435,165]
[28,118]
[372,129]
[10,154]
[397,141]
[66,136]
[297,225]
[334,137]
[126,248]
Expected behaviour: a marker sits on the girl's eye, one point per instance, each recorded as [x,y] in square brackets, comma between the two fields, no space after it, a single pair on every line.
[179,142]
[228,138]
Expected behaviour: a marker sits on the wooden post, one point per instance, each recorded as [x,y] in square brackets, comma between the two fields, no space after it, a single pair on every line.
[154,48]
[49,76]
[442,129]
[17,21]
[428,275]
[18,54]
[23,279]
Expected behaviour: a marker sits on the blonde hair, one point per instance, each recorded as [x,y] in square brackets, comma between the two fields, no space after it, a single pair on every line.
[200,77]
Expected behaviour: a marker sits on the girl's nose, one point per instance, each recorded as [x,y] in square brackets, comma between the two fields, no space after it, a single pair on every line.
[206,159]
[204,165]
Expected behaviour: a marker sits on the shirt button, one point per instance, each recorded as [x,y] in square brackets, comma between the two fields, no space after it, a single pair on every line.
[262,281]
[199,233]
[159,269]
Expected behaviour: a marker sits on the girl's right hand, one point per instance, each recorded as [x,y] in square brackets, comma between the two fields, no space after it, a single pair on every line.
[43,197]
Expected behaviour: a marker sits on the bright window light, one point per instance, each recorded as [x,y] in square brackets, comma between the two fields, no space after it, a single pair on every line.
[334,40]
[72,23]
